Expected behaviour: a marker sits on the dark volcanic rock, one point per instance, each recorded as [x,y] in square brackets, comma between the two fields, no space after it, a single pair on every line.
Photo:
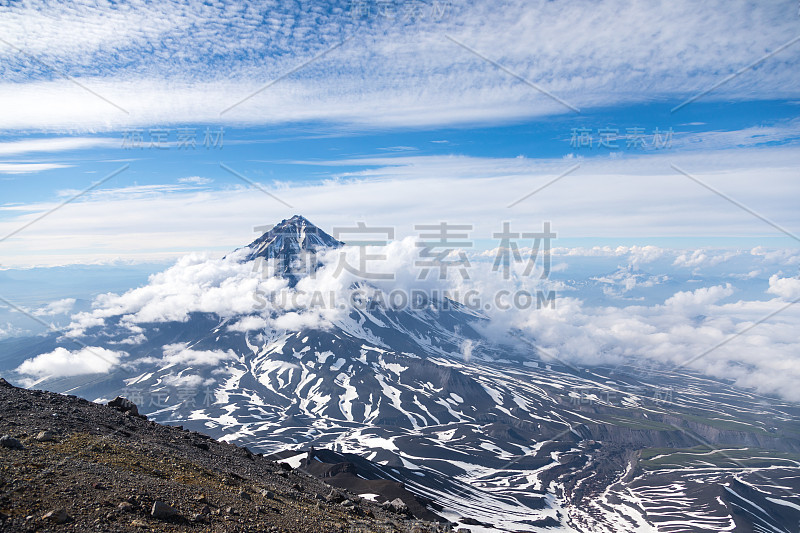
[58,516]
[397,505]
[123,404]
[162,511]
[472,522]
[46,436]
[7,441]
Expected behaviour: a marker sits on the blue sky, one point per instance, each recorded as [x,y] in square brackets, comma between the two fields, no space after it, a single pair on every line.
[399,115]
[660,139]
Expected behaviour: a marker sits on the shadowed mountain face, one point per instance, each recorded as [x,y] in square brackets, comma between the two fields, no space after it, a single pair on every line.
[292,245]
[500,438]
[289,239]
[357,475]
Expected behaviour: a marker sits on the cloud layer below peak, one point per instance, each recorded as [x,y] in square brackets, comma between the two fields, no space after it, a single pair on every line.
[743,329]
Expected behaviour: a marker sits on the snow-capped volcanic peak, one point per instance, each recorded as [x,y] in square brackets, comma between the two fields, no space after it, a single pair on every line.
[289,238]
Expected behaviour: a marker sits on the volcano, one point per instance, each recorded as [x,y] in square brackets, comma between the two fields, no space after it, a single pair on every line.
[419,399]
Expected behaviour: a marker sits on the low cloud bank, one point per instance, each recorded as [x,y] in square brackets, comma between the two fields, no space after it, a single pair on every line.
[709,328]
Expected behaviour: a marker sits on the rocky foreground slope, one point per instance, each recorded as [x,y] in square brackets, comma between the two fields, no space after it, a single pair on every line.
[67,464]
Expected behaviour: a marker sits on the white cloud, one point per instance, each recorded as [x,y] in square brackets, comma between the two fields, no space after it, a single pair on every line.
[785,256]
[182,355]
[296,321]
[249,323]
[10,330]
[687,323]
[186,381]
[195,180]
[466,350]
[28,168]
[697,258]
[764,358]
[697,301]
[58,307]
[786,288]
[63,363]
[588,53]
[635,198]
[55,145]
[195,284]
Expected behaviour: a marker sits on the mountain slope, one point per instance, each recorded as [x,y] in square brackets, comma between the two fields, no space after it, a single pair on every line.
[479,431]
[101,469]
